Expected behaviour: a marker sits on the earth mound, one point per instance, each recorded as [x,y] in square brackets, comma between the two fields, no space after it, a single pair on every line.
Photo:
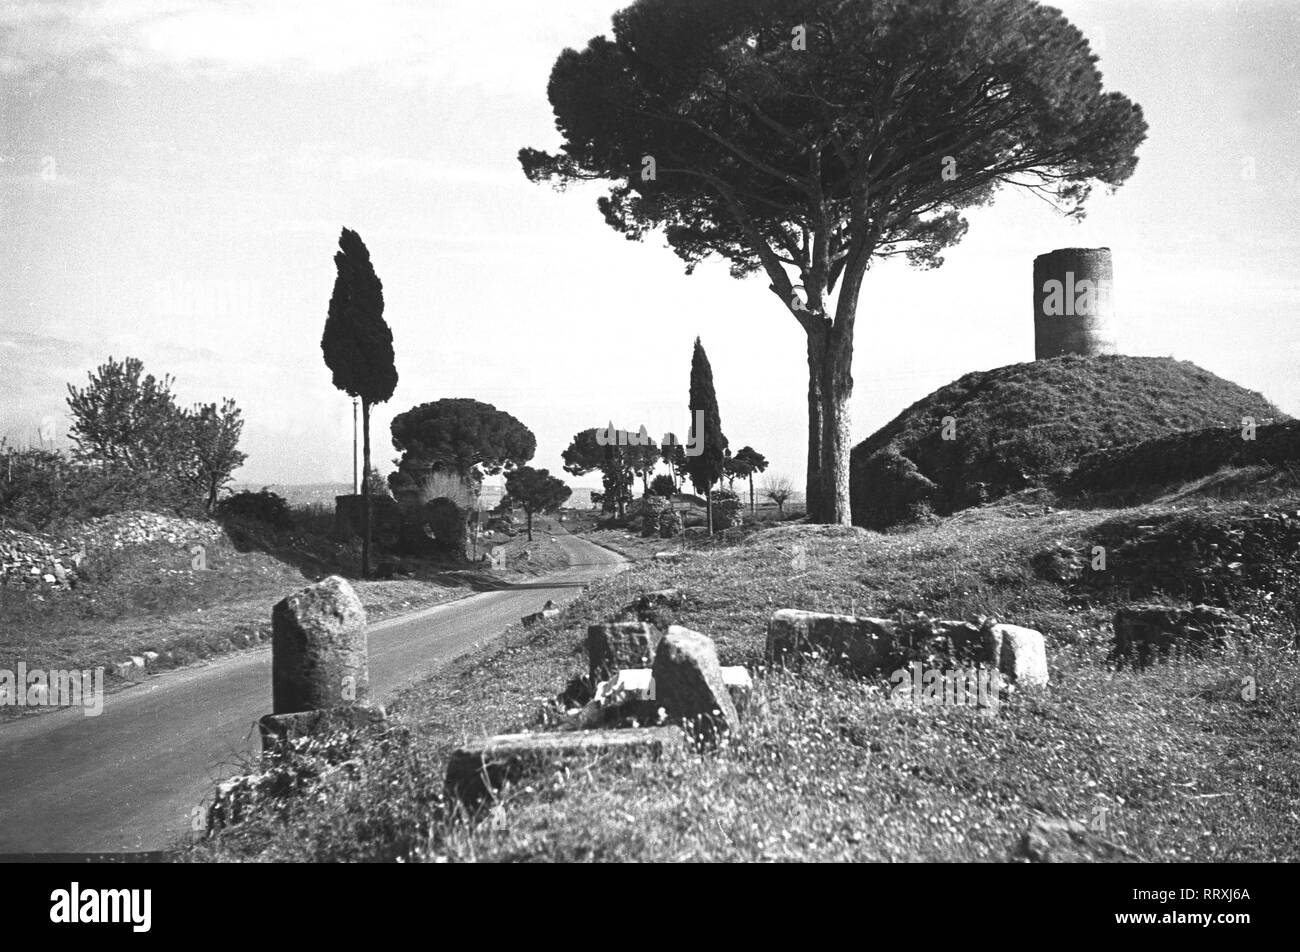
[995,432]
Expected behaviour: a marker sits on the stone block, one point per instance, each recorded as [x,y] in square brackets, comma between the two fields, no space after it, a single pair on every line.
[1147,630]
[688,683]
[480,768]
[1022,655]
[617,645]
[279,728]
[861,643]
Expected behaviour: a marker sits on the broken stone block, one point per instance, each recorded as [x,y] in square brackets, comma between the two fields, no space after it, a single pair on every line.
[128,669]
[283,728]
[478,769]
[626,699]
[657,608]
[688,682]
[739,685]
[1146,630]
[968,643]
[543,615]
[1050,840]
[1021,655]
[664,598]
[617,645]
[318,649]
[639,683]
[862,643]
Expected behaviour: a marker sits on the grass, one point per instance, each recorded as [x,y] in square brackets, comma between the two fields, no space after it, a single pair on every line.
[1186,762]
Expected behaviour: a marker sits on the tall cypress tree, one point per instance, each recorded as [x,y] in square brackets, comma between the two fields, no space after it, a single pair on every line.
[358,348]
[705,469]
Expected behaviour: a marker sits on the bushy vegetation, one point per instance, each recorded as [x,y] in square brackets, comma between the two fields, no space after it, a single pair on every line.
[265,507]
[44,491]
[994,432]
[663,485]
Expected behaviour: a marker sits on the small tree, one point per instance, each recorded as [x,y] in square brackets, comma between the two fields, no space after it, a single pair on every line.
[642,459]
[778,489]
[662,485]
[747,462]
[537,491]
[124,416]
[358,349]
[216,432]
[730,470]
[706,468]
[379,485]
[585,454]
[674,456]
[129,421]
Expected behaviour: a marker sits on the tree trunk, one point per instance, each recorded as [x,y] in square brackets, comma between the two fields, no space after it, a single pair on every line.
[365,489]
[752,510]
[708,493]
[529,513]
[816,371]
[832,346]
[834,503]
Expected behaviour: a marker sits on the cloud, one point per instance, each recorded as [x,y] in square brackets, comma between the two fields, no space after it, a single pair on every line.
[412,42]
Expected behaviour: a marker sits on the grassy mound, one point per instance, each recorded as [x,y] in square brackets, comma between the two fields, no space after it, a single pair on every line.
[1029,424]
[1179,457]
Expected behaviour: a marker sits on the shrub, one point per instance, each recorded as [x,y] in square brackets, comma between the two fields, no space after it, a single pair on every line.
[265,507]
[662,485]
[727,509]
[41,491]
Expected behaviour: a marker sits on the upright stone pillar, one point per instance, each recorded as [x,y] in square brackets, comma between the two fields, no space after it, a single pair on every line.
[318,649]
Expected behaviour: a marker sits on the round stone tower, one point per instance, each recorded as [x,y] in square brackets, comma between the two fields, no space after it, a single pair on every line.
[1073,303]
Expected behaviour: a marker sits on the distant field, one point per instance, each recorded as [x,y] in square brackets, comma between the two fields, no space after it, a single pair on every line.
[303,494]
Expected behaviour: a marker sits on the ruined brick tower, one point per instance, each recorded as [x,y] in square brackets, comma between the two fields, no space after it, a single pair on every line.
[1073,303]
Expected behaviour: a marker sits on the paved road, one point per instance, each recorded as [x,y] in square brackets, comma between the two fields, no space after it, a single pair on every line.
[129,778]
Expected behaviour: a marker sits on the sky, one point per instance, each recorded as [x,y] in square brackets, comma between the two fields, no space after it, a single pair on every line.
[174,175]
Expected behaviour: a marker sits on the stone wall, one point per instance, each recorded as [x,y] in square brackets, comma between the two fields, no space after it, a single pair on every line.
[48,562]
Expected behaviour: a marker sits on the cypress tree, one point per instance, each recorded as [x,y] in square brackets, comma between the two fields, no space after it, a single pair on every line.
[358,349]
[706,468]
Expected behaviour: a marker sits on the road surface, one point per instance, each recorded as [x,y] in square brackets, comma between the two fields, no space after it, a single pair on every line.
[129,779]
